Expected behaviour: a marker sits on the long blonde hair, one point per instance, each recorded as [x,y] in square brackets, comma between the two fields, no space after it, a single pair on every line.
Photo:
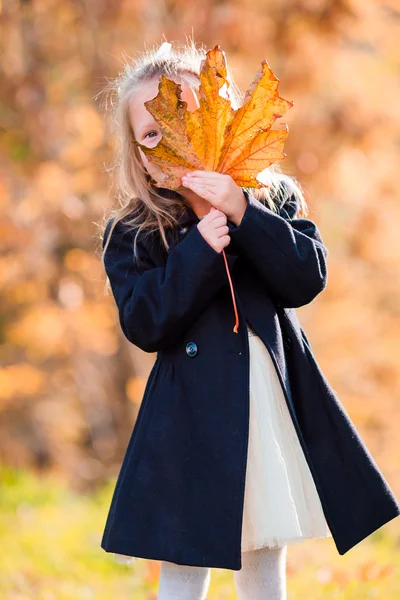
[141,205]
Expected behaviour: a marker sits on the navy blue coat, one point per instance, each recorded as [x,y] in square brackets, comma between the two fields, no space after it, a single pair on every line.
[180,491]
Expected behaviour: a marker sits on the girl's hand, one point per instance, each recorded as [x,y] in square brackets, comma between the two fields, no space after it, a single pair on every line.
[220,190]
[214,229]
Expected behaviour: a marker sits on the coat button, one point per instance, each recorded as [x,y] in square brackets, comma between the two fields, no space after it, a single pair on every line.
[191,349]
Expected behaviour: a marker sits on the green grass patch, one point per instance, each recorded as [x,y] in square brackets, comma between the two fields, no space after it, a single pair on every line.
[51,550]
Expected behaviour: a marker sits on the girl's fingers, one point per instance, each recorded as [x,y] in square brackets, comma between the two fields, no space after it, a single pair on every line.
[220,220]
[222,229]
[213,174]
[208,184]
[205,178]
[201,190]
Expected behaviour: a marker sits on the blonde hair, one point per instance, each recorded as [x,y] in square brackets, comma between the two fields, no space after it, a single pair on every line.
[141,205]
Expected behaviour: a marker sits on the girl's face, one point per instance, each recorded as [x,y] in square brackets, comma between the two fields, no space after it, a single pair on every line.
[145,127]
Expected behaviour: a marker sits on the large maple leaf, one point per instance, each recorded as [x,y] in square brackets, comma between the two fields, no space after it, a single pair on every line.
[215,137]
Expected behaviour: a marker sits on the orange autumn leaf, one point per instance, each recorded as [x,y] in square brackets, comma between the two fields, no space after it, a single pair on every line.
[215,137]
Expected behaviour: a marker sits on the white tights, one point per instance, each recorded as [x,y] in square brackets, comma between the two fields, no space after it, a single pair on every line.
[262,577]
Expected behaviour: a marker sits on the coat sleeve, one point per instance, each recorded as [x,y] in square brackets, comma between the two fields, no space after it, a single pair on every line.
[289,255]
[157,304]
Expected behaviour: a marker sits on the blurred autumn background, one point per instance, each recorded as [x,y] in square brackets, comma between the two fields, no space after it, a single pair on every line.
[70,383]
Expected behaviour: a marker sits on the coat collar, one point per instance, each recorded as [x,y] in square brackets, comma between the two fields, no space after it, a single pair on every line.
[188,217]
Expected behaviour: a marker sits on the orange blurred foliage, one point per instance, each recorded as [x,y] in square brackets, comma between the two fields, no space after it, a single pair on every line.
[71,383]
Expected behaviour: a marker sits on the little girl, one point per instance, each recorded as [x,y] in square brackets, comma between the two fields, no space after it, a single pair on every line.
[281,503]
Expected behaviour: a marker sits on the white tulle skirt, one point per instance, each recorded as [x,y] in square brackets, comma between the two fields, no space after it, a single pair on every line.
[281,502]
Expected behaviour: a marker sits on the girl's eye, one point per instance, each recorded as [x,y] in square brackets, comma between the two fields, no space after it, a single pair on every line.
[149,134]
